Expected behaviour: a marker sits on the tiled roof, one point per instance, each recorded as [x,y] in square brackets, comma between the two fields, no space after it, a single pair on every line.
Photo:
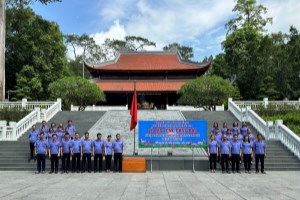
[141,86]
[145,61]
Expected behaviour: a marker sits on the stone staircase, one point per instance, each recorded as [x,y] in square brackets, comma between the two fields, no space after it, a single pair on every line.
[14,155]
[279,158]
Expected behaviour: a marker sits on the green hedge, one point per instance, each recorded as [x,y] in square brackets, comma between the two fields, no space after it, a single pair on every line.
[13,114]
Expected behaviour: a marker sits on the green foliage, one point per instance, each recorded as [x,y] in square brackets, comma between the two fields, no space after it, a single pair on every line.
[12,114]
[76,90]
[34,50]
[207,92]
[23,3]
[268,89]
[185,51]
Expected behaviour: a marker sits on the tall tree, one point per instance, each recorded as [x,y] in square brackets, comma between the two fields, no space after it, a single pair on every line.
[185,51]
[35,42]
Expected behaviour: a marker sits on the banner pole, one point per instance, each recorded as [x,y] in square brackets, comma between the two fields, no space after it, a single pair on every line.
[151,161]
[193,160]
[134,127]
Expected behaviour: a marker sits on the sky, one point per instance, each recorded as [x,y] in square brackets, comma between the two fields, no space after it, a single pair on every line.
[196,23]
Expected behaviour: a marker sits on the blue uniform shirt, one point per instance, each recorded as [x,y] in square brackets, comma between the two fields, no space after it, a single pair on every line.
[87,146]
[246,147]
[108,146]
[54,147]
[235,130]
[66,145]
[118,146]
[260,147]
[225,147]
[213,130]
[71,130]
[251,137]
[41,146]
[49,136]
[98,146]
[223,131]
[45,131]
[218,137]
[230,138]
[236,147]
[213,147]
[33,136]
[244,130]
[240,138]
[76,145]
[60,136]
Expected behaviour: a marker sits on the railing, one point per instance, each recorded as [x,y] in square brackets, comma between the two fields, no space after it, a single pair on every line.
[270,131]
[265,102]
[25,105]
[100,108]
[15,130]
[191,108]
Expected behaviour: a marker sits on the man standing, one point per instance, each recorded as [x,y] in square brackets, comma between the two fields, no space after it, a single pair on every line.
[108,153]
[118,147]
[70,129]
[65,149]
[54,153]
[33,137]
[98,146]
[260,153]
[86,152]
[236,152]
[40,152]
[225,151]
[76,153]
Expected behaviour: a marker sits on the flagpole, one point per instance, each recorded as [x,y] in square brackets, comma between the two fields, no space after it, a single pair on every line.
[135,126]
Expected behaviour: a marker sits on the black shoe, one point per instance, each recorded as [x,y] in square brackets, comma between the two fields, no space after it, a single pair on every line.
[100,171]
[95,171]
[51,172]
[89,171]
[56,172]
[238,172]
[82,171]
[78,171]
[37,172]
[228,172]
[263,172]
[256,172]
[67,171]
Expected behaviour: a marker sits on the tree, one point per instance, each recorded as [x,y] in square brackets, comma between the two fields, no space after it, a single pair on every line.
[76,90]
[33,41]
[220,67]
[207,92]
[185,51]
[268,89]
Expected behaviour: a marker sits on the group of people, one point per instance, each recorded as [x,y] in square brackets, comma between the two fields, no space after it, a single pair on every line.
[65,143]
[232,145]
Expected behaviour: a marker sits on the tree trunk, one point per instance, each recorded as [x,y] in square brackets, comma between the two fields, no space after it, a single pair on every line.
[2,50]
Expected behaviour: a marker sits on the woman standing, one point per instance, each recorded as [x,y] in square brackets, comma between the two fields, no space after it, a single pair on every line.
[244,129]
[224,129]
[215,126]
[225,153]
[247,154]
[235,128]
[229,135]
[108,153]
[212,153]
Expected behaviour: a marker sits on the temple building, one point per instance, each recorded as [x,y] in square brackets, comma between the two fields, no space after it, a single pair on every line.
[158,76]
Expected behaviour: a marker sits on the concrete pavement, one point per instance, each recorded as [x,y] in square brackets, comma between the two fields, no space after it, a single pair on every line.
[156,185]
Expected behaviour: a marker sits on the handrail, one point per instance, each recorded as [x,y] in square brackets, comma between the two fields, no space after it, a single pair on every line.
[289,139]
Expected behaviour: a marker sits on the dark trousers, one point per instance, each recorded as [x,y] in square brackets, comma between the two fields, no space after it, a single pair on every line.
[212,161]
[108,162]
[96,158]
[31,149]
[54,163]
[247,161]
[65,165]
[235,165]
[86,157]
[224,162]
[260,158]
[118,162]
[41,162]
[76,162]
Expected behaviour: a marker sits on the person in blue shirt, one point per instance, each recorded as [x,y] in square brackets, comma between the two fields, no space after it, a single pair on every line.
[86,152]
[108,153]
[229,135]
[50,134]
[65,150]
[224,129]
[70,129]
[44,128]
[33,137]
[225,152]
[247,153]
[53,126]
[235,128]
[236,153]
[76,153]
[215,126]
[244,129]
[212,153]
[240,137]
[40,152]
[54,153]
[98,146]
[60,134]
[260,153]
[118,148]
[250,135]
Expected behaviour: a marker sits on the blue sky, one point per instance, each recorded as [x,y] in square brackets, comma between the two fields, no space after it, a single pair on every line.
[196,23]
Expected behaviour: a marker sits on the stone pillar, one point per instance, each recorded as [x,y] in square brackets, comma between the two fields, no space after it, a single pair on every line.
[269,123]
[59,100]
[277,123]
[266,102]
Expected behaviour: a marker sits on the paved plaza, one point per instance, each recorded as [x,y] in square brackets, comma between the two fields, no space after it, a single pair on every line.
[156,185]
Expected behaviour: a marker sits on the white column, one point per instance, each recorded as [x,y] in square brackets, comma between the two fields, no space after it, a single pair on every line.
[266,102]
[24,103]
[59,100]
[277,123]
